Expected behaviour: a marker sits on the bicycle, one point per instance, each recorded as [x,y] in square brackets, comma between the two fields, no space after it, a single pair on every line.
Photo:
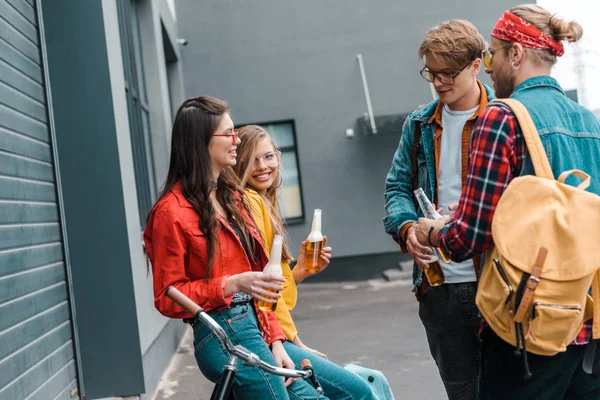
[222,390]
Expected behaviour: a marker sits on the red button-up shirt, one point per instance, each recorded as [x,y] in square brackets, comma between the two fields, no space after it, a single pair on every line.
[178,252]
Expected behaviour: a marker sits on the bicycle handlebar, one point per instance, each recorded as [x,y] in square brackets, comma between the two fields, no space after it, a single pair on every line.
[239,351]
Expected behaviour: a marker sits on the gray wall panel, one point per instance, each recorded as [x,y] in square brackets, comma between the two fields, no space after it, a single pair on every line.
[14,142]
[18,337]
[39,374]
[20,61]
[15,38]
[30,257]
[18,189]
[21,82]
[23,124]
[33,353]
[25,9]
[28,235]
[10,14]
[18,166]
[23,213]
[13,312]
[22,103]
[21,284]
[58,388]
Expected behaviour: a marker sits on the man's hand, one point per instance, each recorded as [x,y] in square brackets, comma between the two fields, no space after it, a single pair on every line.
[450,216]
[419,253]
[422,231]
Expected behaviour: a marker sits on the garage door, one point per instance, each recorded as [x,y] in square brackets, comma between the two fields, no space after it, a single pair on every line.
[37,356]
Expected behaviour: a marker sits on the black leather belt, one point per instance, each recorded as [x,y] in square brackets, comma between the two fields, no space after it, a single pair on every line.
[236,301]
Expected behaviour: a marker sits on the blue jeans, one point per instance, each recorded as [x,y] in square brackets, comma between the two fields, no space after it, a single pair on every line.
[452,324]
[240,324]
[337,382]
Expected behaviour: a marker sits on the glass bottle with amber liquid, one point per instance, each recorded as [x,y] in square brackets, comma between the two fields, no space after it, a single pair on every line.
[273,267]
[434,274]
[312,260]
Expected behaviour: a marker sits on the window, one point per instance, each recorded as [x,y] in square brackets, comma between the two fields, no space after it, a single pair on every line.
[290,193]
[137,107]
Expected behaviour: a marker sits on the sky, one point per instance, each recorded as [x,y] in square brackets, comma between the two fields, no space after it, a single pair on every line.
[587,57]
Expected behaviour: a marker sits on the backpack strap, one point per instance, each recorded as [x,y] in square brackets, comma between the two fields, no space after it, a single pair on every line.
[530,285]
[596,297]
[413,156]
[532,139]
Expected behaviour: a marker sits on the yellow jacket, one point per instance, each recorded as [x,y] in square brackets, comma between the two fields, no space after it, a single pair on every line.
[289,294]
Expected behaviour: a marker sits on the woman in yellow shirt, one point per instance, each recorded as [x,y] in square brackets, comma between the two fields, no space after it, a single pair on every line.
[258,169]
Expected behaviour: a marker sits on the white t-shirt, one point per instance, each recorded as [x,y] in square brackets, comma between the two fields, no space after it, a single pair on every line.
[450,181]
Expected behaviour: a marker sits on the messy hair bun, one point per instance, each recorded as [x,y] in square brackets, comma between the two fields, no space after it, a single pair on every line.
[563,30]
[552,26]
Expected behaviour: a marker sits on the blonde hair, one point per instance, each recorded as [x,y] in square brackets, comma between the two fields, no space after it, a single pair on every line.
[455,42]
[552,26]
[250,136]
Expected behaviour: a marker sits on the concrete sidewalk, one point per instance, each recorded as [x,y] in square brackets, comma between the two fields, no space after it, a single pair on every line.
[372,323]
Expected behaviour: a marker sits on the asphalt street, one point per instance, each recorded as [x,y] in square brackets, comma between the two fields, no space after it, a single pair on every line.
[372,323]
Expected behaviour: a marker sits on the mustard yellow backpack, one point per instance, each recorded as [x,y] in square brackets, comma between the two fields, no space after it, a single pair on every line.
[533,288]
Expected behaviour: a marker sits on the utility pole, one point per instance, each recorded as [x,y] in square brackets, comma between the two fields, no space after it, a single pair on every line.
[579,69]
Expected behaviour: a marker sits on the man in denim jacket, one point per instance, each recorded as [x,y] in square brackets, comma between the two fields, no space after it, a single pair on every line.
[452,52]
[525,44]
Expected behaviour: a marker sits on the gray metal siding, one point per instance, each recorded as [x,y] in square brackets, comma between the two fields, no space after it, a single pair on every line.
[36,338]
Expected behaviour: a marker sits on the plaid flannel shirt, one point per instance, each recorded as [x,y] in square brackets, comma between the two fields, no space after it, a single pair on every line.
[497,156]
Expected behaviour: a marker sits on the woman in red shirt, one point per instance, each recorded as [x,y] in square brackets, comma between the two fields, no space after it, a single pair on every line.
[201,239]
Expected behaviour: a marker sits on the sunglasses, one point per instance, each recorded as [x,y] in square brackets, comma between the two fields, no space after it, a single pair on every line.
[488,55]
[234,133]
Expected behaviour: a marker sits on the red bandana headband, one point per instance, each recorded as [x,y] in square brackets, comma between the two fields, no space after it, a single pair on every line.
[511,28]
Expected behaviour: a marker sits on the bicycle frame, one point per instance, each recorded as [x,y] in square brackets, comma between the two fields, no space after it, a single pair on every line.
[223,389]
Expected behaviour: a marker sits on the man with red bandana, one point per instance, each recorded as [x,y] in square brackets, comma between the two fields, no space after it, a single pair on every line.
[524,46]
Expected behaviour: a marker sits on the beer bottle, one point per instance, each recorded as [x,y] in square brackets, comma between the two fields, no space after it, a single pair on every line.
[273,267]
[312,261]
[434,274]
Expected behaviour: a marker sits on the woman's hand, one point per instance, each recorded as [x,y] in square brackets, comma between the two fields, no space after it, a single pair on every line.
[299,343]
[282,359]
[255,284]
[299,273]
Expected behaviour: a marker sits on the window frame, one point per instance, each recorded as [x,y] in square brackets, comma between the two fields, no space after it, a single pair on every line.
[138,109]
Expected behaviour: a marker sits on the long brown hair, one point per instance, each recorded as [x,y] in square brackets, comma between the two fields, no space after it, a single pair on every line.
[251,135]
[195,123]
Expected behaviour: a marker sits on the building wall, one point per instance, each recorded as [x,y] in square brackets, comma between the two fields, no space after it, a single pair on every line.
[159,336]
[115,317]
[280,60]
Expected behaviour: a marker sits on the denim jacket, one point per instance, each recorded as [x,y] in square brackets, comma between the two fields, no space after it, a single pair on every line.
[399,199]
[569,133]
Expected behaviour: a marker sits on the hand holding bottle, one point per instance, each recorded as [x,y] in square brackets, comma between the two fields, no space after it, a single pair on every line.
[259,285]
[419,253]
[299,272]
[273,267]
[314,245]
